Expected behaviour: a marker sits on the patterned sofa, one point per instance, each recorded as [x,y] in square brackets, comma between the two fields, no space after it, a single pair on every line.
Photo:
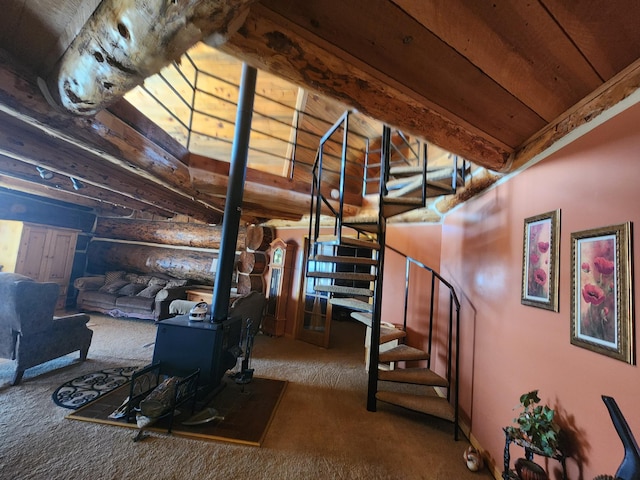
[123,294]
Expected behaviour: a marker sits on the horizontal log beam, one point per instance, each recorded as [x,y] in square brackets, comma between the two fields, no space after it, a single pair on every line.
[53,193]
[126,41]
[60,187]
[191,234]
[111,139]
[179,263]
[609,94]
[25,143]
[270,42]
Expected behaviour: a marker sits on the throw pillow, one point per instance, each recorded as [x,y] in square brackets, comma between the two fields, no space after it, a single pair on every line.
[143,279]
[131,289]
[113,287]
[131,277]
[150,291]
[157,281]
[176,283]
[114,275]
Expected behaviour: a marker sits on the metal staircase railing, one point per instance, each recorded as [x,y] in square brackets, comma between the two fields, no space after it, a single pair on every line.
[453,325]
[334,207]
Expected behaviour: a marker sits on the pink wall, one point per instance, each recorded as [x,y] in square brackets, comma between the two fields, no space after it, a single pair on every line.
[509,348]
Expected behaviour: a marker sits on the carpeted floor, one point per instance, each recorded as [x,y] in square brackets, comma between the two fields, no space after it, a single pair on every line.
[321,429]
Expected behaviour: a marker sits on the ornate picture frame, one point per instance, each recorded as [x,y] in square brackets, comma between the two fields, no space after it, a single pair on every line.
[541,256]
[601,296]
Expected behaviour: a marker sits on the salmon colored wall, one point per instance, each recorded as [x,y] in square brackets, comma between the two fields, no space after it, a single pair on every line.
[422,244]
[509,348]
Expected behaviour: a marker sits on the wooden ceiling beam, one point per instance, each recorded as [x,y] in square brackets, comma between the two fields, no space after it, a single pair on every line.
[54,193]
[602,99]
[27,144]
[126,41]
[61,185]
[270,42]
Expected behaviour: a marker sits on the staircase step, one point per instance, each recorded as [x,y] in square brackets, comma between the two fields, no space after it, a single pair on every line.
[364,292]
[348,241]
[396,183]
[389,334]
[352,303]
[403,353]
[410,187]
[418,376]
[340,259]
[405,170]
[343,276]
[362,317]
[363,224]
[416,201]
[431,405]
[389,210]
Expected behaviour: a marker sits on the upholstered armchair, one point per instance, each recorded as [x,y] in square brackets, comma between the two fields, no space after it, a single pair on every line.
[29,333]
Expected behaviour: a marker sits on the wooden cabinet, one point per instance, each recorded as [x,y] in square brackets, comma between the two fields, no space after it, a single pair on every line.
[39,252]
[279,286]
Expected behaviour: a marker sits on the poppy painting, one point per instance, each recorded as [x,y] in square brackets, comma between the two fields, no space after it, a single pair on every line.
[601,300]
[540,261]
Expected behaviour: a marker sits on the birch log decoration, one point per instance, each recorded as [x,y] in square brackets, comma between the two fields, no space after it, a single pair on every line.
[126,41]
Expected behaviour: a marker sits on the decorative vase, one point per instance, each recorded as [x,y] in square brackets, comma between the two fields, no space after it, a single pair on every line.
[528,470]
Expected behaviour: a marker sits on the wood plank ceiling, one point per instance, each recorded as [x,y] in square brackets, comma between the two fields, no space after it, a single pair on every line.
[495,82]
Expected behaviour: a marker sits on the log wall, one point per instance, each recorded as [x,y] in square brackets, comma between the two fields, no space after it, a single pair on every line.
[199,235]
[194,265]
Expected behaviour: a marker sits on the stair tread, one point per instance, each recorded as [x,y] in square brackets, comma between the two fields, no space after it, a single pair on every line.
[352,303]
[431,405]
[346,290]
[342,275]
[389,334]
[405,170]
[403,353]
[342,259]
[348,241]
[403,200]
[410,187]
[396,183]
[418,376]
[362,317]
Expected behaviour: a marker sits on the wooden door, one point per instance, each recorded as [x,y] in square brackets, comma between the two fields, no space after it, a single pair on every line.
[61,246]
[314,310]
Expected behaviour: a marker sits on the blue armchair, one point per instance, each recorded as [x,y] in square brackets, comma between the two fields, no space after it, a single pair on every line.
[29,333]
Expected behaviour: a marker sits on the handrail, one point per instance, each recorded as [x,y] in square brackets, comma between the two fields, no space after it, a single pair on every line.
[453,300]
[436,274]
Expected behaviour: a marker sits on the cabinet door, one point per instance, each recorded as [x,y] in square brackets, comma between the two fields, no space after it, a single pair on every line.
[61,246]
[33,252]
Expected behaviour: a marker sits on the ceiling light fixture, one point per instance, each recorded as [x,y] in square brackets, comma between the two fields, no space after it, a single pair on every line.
[44,173]
[77,184]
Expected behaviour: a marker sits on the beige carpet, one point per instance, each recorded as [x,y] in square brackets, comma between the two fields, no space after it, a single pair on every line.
[321,429]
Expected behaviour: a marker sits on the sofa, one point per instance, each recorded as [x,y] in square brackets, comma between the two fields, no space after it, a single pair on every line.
[29,333]
[126,294]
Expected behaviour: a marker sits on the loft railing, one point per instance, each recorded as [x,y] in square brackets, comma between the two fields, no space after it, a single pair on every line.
[181,94]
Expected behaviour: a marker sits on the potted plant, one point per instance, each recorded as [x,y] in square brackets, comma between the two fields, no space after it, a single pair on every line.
[535,427]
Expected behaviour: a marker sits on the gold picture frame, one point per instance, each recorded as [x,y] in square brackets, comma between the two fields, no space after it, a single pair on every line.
[601,291]
[541,256]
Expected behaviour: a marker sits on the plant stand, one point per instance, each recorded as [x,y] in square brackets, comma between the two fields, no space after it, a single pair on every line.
[529,451]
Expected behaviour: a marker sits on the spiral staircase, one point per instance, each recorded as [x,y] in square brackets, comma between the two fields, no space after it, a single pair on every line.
[346,270]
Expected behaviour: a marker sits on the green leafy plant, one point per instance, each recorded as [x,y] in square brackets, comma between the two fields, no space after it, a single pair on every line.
[535,425]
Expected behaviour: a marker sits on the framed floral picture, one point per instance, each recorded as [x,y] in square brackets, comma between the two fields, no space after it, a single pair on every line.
[540,260]
[601,298]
